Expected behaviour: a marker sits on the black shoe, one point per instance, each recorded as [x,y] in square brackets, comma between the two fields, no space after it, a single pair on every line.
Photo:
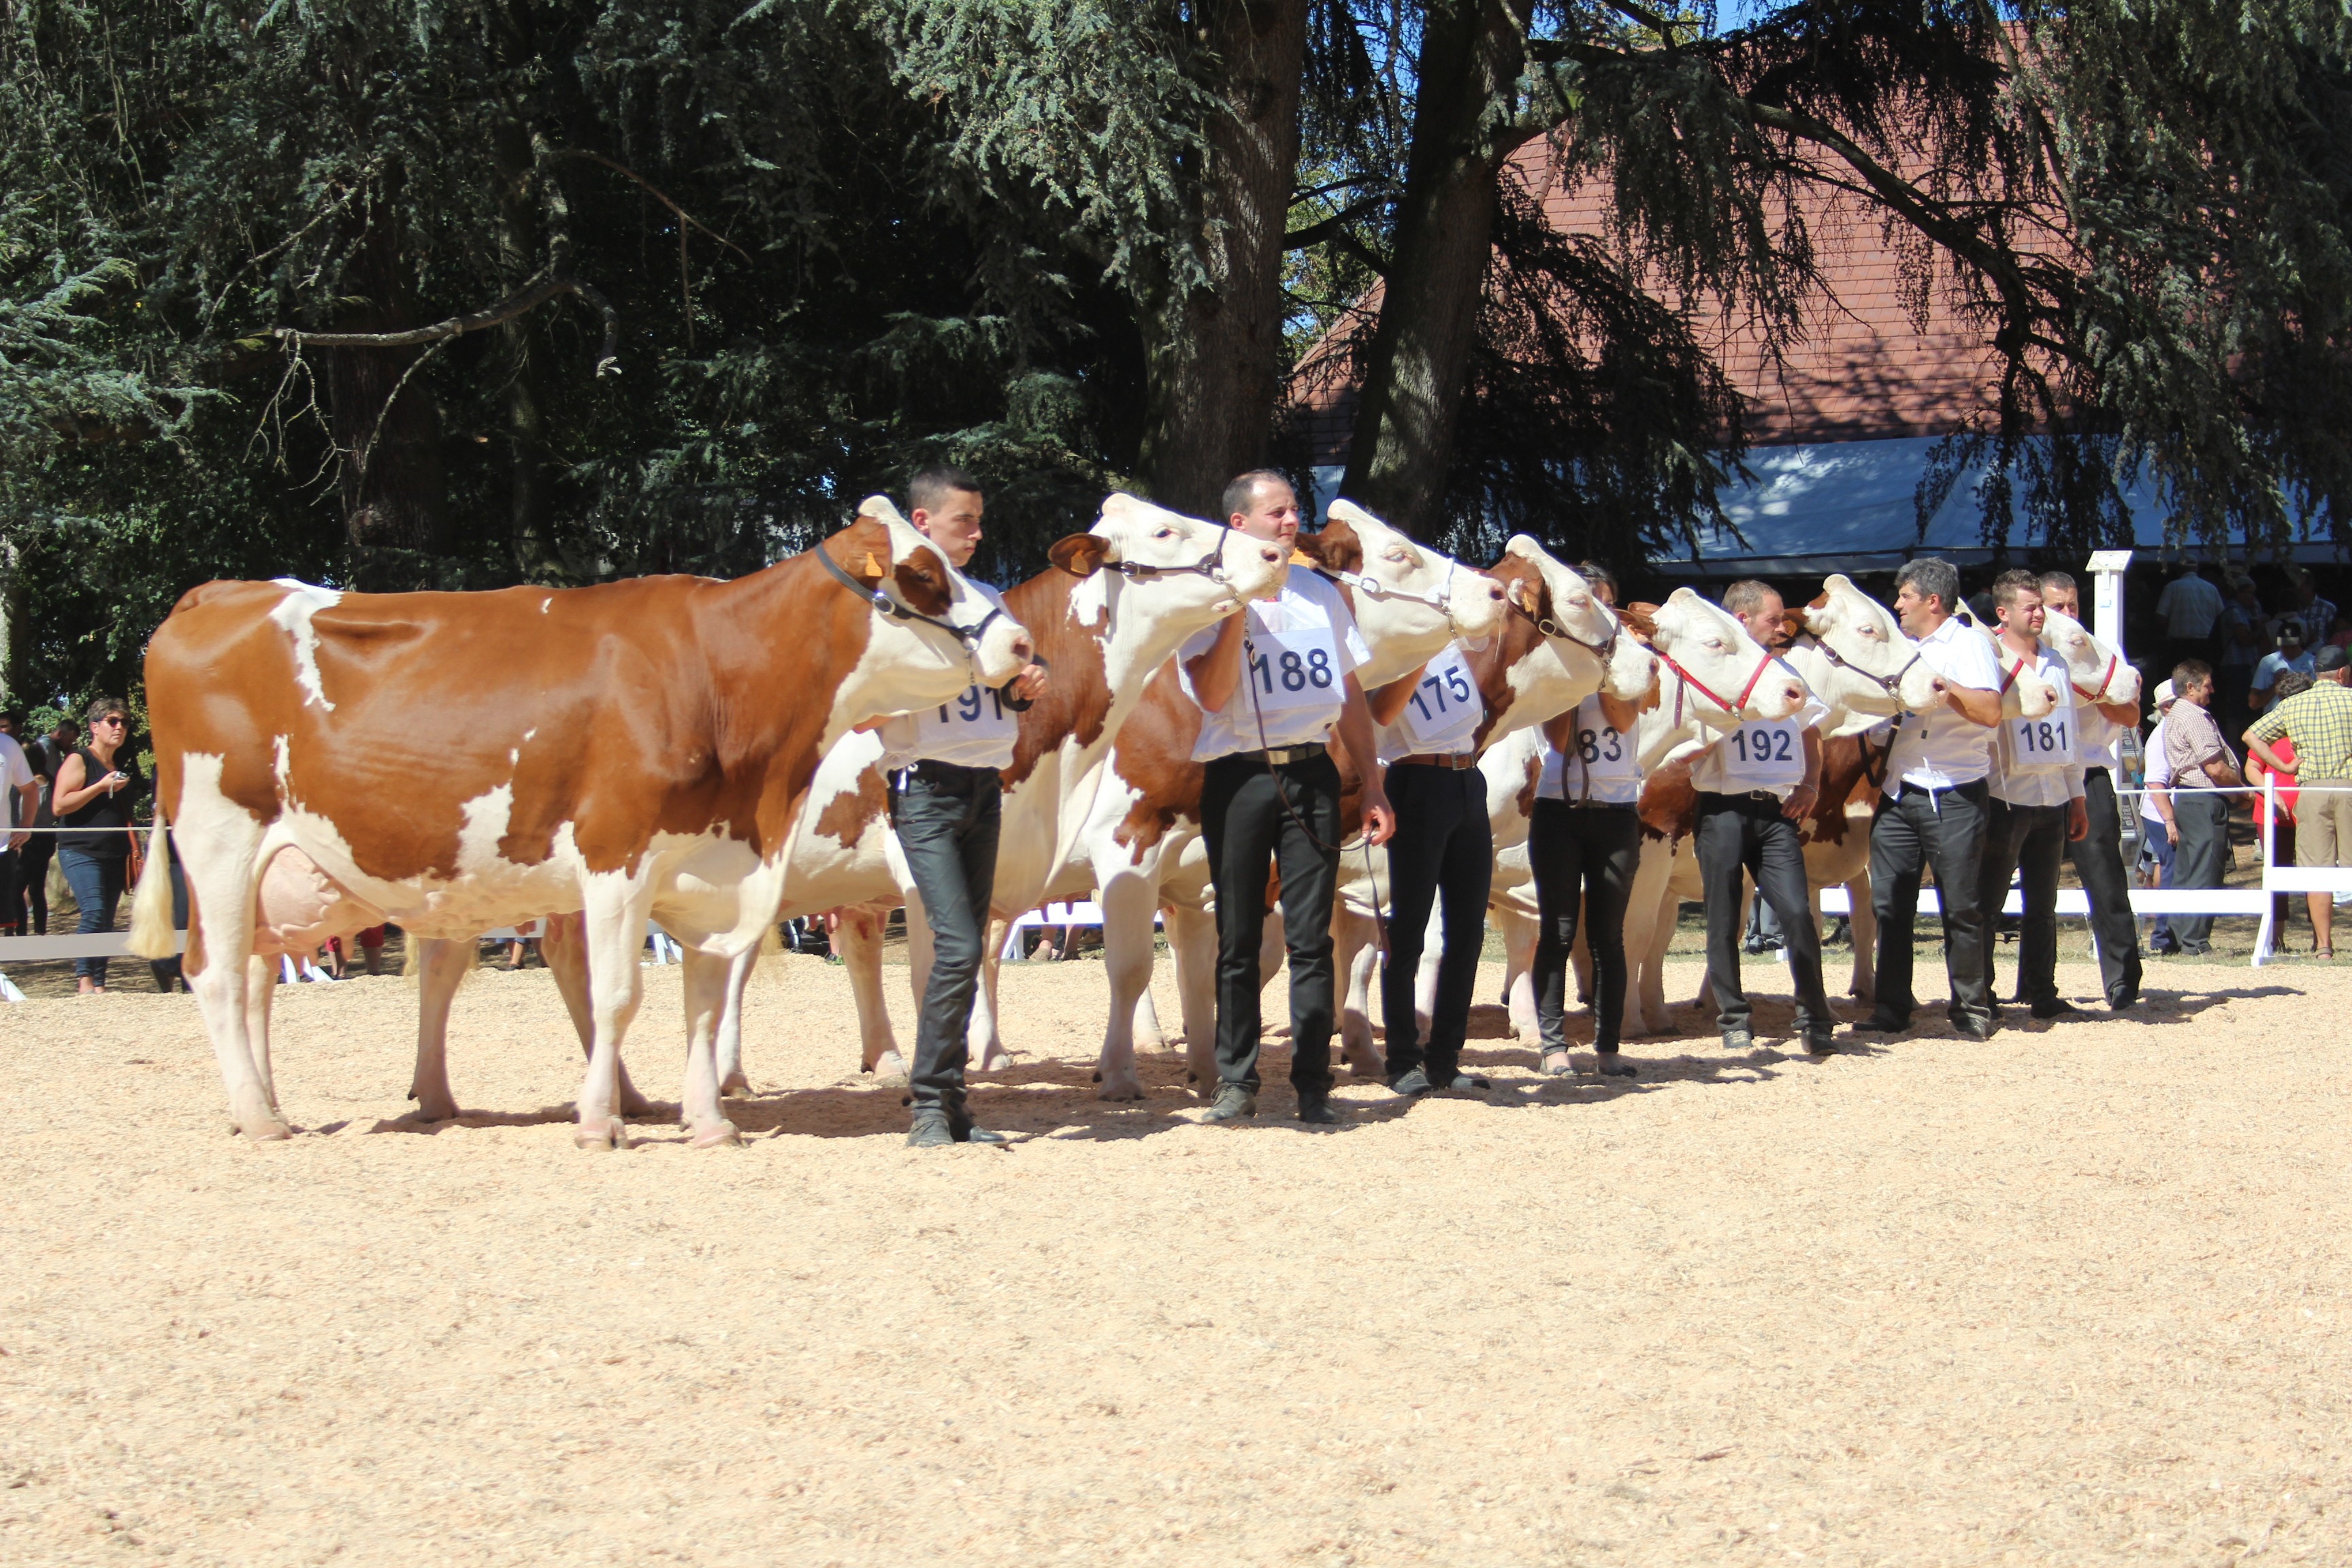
[2164,949]
[1410,1083]
[2123,1004]
[1971,1029]
[1608,1064]
[1738,1040]
[1468,1083]
[1232,1103]
[2061,1008]
[930,1131]
[1315,1110]
[1818,1043]
[2189,952]
[1880,1024]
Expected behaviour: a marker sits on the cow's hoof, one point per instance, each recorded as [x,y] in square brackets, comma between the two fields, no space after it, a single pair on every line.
[602,1135]
[889,1070]
[1119,1087]
[736,1085]
[996,1058]
[723,1134]
[270,1132]
[433,1110]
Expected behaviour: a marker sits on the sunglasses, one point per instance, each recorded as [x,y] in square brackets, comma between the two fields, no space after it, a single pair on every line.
[111,719]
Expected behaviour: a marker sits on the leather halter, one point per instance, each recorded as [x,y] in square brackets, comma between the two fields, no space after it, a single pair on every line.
[1696,684]
[896,609]
[1890,684]
[1604,650]
[2097,693]
[1440,600]
[1210,565]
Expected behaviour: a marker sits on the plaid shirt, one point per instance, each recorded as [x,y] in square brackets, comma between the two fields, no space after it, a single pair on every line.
[2319,721]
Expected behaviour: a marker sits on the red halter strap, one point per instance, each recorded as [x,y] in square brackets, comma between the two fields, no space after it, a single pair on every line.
[2092,695]
[2008,675]
[1696,684]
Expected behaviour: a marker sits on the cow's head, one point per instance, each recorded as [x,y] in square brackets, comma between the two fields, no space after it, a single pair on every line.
[1861,660]
[1180,571]
[2024,694]
[1562,605]
[930,629]
[2098,672]
[1728,678]
[1403,590]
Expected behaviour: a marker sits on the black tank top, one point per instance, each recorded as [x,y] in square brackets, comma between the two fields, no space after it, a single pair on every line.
[103,810]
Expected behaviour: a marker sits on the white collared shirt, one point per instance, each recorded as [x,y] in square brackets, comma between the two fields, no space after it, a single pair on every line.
[1298,653]
[1598,764]
[1940,749]
[975,729]
[2038,762]
[1442,716]
[2099,734]
[1769,756]
[2160,771]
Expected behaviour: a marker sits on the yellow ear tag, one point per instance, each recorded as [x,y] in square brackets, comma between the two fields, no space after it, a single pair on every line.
[1300,558]
[870,566]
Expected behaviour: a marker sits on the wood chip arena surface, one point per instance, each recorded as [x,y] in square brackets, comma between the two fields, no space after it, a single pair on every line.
[2077,1295]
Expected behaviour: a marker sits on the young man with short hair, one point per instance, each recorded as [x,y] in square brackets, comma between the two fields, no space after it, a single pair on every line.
[1933,812]
[2036,798]
[1756,785]
[945,803]
[1277,683]
[2098,854]
[2319,723]
[2198,757]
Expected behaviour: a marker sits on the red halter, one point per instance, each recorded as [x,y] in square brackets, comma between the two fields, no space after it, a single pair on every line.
[1696,684]
[2092,695]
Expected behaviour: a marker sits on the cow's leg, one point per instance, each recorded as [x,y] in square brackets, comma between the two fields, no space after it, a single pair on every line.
[858,941]
[616,935]
[1519,931]
[983,1040]
[1579,957]
[1356,954]
[440,966]
[731,1077]
[260,985]
[1649,931]
[1424,978]
[218,844]
[707,982]
[1148,1035]
[1863,926]
[1126,904]
[1192,944]
[563,946]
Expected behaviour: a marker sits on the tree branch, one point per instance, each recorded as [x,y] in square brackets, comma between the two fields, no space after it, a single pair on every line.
[524,299]
[1316,233]
[683,217]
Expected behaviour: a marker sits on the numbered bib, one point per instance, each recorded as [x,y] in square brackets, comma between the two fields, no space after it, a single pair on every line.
[1444,712]
[1288,672]
[974,731]
[2039,745]
[1764,756]
[1598,764]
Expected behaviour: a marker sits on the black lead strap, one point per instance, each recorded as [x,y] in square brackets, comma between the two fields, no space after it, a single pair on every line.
[889,605]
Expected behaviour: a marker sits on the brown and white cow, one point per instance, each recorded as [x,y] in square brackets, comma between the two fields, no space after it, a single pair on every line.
[627,751]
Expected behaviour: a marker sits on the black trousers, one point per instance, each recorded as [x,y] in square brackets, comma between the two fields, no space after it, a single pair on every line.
[947,820]
[2031,838]
[1914,831]
[33,880]
[1582,855]
[1248,829]
[2098,859]
[2198,860]
[1444,847]
[1739,836]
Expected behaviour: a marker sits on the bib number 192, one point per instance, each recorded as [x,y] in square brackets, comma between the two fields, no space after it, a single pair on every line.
[1760,745]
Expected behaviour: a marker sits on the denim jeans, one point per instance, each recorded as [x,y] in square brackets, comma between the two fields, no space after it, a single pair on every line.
[947,819]
[97,884]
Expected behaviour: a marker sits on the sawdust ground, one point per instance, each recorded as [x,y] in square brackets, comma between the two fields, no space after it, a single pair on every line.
[2077,1295]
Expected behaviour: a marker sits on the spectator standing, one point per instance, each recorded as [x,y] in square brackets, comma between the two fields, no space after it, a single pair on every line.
[22,789]
[2190,607]
[2290,654]
[1933,813]
[46,755]
[2200,757]
[2036,800]
[2246,637]
[2319,723]
[2098,854]
[96,786]
[2317,613]
[2159,832]
[2281,849]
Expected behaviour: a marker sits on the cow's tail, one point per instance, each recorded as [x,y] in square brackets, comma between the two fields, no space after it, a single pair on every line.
[153,934]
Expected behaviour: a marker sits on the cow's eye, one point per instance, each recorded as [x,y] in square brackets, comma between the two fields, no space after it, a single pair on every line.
[1165,533]
[1715,643]
[1871,631]
[1399,557]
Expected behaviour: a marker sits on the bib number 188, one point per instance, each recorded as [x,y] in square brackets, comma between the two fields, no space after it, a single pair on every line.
[1291,672]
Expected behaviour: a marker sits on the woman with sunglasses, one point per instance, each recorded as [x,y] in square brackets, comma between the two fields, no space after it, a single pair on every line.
[95,790]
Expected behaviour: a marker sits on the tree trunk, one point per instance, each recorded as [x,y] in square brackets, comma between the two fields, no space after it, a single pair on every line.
[394,492]
[516,152]
[1215,372]
[1420,354]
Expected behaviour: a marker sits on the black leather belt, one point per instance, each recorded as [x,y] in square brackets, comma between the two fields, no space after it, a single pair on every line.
[946,776]
[1278,756]
[1452,761]
[1743,796]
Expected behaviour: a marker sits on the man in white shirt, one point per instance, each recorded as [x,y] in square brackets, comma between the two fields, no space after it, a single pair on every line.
[2098,854]
[2036,806]
[2159,832]
[1275,681]
[945,803]
[1755,787]
[1934,811]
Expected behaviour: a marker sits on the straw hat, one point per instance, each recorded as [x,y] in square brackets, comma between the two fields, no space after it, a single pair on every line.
[2165,695]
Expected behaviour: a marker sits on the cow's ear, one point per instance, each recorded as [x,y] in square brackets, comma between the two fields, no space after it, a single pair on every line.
[1641,619]
[1835,582]
[1793,623]
[863,549]
[1338,548]
[1081,554]
[1529,597]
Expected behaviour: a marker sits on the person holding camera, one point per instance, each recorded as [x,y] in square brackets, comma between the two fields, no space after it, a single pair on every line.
[96,788]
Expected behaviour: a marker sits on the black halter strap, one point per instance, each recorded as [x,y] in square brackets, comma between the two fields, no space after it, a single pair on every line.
[1210,565]
[1604,650]
[890,606]
[1890,684]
